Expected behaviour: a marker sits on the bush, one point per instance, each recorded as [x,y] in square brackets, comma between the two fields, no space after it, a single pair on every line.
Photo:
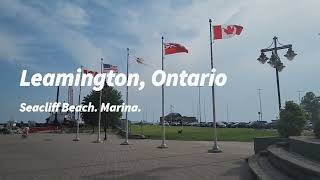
[311,103]
[316,126]
[292,120]
[316,129]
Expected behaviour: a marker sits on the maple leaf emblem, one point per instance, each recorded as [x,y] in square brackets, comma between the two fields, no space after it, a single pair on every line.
[229,30]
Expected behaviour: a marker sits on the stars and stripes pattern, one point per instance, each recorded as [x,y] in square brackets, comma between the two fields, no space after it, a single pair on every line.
[108,67]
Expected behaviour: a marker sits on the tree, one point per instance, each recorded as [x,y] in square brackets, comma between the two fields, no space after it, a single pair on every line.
[109,95]
[292,120]
[311,103]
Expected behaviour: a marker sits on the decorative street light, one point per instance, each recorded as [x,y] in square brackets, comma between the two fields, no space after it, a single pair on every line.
[275,61]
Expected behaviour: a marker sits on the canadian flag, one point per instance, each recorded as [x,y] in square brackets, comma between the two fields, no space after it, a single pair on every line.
[226,31]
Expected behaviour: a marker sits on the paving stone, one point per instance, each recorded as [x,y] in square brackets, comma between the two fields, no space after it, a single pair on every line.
[56,156]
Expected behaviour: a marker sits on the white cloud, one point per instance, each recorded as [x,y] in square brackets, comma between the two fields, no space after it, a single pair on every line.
[72,14]
[293,21]
[9,47]
[75,43]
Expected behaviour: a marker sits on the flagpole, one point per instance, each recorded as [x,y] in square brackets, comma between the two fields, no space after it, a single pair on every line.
[99,120]
[215,148]
[105,120]
[126,142]
[79,101]
[163,144]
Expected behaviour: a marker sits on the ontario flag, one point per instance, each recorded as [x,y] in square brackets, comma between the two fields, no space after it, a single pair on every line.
[226,31]
[172,48]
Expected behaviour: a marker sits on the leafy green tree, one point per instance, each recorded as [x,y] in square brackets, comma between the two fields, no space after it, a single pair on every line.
[292,120]
[311,103]
[109,95]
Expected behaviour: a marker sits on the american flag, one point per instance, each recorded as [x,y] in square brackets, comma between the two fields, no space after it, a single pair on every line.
[108,67]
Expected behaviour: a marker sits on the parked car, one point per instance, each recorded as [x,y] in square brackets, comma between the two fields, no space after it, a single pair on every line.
[240,125]
[220,125]
[203,124]
[194,124]
[272,125]
[175,124]
[258,124]
[308,125]
[230,124]
[165,123]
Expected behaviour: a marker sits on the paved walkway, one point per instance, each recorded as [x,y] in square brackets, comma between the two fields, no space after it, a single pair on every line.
[56,156]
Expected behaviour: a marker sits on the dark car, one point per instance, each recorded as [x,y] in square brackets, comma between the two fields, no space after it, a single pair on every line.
[240,125]
[258,125]
[230,124]
[220,125]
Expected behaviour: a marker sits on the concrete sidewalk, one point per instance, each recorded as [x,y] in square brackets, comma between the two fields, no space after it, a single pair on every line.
[56,156]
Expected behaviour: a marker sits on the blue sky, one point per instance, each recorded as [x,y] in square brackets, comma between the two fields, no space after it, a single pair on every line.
[59,36]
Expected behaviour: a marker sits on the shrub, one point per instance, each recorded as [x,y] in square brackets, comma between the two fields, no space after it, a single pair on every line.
[311,103]
[316,126]
[292,120]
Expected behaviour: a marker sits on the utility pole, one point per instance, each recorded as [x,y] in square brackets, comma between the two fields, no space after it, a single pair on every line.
[153,117]
[204,109]
[227,112]
[260,112]
[299,95]
[192,108]
[199,105]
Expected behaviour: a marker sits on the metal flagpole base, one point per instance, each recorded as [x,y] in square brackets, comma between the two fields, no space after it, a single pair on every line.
[215,150]
[97,141]
[162,146]
[125,143]
[76,139]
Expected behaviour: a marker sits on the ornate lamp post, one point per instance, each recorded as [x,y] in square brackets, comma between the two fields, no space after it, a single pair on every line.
[275,61]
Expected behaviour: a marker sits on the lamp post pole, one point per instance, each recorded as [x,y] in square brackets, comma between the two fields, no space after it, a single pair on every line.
[277,71]
[275,61]
[260,112]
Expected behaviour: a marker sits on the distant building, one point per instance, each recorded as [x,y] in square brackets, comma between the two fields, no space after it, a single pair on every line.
[178,118]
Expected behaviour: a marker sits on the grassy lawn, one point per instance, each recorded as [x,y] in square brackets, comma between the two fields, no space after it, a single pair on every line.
[202,133]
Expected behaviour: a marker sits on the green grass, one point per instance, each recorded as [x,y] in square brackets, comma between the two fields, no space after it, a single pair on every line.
[203,133]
